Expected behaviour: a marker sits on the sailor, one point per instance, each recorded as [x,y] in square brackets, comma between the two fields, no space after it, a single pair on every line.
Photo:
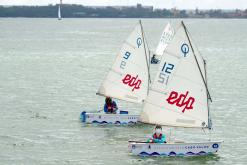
[110,106]
[157,137]
[154,60]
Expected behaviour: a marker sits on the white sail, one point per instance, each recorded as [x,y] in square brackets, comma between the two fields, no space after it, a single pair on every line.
[165,38]
[178,95]
[59,10]
[128,78]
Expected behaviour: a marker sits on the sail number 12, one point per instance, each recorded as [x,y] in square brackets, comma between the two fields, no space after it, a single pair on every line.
[165,72]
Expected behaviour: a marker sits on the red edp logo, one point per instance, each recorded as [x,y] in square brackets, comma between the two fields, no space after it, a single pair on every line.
[132,81]
[181,100]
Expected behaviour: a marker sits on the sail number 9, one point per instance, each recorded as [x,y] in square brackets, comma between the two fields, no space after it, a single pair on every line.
[125,57]
[165,72]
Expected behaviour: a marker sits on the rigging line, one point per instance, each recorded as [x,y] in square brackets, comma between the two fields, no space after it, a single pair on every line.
[209,118]
[199,52]
[147,59]
[185,29]
[190,80]
[145,39]
[145,42]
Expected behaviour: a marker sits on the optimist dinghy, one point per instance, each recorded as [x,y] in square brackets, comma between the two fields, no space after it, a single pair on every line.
[174,148]
[178,97]
[127,80]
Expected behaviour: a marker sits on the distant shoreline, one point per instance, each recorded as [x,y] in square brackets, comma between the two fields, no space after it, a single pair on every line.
[138,11]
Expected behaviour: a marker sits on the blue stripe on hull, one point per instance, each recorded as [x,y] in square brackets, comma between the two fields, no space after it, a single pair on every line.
[172,153]
[117,122]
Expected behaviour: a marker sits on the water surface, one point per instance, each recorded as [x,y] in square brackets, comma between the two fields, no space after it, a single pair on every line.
[50,71]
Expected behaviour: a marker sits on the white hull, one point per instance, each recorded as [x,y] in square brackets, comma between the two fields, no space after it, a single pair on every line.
[174,149]
[102,118]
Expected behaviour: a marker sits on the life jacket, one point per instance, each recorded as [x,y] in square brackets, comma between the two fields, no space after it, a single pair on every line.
[112,105]
[157,137]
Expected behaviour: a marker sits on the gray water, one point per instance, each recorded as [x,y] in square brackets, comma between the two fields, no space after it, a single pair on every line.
[50,71]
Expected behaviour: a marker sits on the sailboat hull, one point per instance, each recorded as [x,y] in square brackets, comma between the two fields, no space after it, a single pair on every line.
[174,149]
[102,118]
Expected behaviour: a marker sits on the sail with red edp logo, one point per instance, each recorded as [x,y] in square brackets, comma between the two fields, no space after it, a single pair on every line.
[132,81]
[181,101]
[128,79]
[178,96]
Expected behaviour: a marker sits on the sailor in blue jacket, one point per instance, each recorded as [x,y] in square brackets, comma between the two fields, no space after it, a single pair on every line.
[110,106]
[157,137]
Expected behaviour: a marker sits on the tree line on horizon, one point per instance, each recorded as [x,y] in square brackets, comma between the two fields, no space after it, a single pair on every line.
[139,11]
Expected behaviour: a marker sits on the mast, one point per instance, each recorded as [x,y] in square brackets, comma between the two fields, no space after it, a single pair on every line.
[204,81]
[147,57]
